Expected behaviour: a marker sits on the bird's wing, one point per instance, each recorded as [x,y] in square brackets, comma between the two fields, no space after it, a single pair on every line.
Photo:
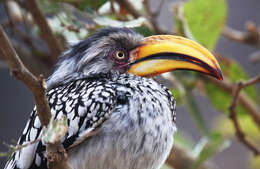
[87,104]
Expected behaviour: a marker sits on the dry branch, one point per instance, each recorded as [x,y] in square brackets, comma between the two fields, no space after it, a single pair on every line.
[45,30]
[151,20]
[233,115]
[251,35]
[34,58]
[152,16]
[180,158]
[157,11]
[243,98]
[129,7]
[254,57]
[38,88]
[19,72]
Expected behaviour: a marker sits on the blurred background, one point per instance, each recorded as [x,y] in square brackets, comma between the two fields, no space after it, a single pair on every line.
[230,28]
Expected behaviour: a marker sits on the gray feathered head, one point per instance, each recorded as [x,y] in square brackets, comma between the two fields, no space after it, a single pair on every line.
[106,51]
[115,51]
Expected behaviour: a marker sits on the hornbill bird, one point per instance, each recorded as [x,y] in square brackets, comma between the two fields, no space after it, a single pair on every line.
[118,117]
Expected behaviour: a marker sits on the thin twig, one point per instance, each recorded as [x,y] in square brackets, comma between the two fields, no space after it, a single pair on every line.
[243,98]
[180,158]
[35,61]
[38,88]
[19,72]
[113,10]
[254,57]
[21,4]
[12,24]
[129,7]
[150,22]
[251,81]
[45,30]
[233,115]
[152,16]
[251,35]
[135,13]
[19,147]
[157,11]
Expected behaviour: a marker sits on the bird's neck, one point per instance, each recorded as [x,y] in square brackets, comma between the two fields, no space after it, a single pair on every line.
[57,80]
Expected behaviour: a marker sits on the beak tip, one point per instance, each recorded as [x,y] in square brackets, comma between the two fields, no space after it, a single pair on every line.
[218,74]
[220,77]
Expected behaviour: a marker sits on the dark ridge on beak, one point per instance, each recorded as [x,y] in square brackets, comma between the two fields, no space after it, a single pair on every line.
[182,57]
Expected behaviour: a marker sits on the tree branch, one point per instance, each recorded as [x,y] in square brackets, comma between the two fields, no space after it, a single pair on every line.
[243,98]
[129,7]
[254,57]
[151,21]
[233,115]
[179,158]
[150,12]
[251,35]
[38,88]
[45,30]
[19,72]
[152,16]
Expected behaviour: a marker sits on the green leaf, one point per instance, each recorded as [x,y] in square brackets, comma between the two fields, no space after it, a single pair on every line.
[235,72]
[166,167]
[183,140]
[195,113]
[93,4]
[106,21]
[210,146]
[255,162]
[178,96]
[219,98]
[184,84]
[49,7]
[205,20]
[247,124]
[84,4]
[144,30]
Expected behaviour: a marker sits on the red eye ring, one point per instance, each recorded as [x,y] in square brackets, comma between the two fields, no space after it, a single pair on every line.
[119,56]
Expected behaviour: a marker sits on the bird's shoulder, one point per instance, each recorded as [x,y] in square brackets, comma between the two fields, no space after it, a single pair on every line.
[85,102]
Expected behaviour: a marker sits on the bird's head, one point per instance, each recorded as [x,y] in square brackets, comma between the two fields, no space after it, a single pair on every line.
[121,50]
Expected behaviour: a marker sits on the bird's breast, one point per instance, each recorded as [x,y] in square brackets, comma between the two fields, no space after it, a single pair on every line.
[138,135]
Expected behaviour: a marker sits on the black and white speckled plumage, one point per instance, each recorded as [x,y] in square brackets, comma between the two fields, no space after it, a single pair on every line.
[129,120]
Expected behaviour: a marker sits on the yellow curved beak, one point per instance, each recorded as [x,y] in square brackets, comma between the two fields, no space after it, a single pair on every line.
[164,53]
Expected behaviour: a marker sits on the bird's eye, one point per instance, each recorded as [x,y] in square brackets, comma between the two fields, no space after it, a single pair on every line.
[120,55]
